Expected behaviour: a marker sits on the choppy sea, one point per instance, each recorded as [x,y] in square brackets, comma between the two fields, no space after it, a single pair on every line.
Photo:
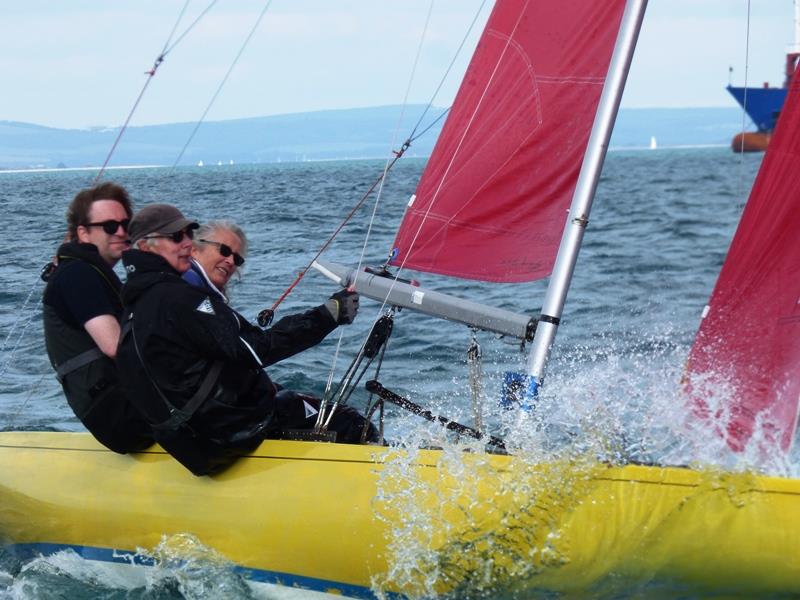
[660,228]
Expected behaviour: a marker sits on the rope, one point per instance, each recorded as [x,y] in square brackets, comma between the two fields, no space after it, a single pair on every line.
[390,162]
[150,74]
[222,83]
[452,158]
[344,222]
[13,419]
[744,98]
[475,368]
[167,47]
[460,143]
[411,77]
[444,77]
[21,335]
[397,154]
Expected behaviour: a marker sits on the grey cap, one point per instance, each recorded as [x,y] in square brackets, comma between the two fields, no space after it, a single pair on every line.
[158,218]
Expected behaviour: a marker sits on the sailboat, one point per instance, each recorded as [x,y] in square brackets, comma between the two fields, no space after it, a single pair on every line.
[365,520]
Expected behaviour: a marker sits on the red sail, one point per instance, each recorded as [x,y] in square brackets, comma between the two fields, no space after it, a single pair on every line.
[744,367]
[493,200]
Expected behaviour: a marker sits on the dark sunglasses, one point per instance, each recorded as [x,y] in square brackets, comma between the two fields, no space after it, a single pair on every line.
[110,226]
[225,251]
[176,237]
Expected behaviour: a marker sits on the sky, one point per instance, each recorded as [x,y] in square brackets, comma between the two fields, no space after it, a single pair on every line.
[82,63]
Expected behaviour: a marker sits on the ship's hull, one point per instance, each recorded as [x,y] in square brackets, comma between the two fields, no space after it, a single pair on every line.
[762,105]
[751,141]
[346,519]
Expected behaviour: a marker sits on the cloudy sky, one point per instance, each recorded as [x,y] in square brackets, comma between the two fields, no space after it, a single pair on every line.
[81,63]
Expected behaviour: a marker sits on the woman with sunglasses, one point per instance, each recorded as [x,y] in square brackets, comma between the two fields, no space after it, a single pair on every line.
[218,250]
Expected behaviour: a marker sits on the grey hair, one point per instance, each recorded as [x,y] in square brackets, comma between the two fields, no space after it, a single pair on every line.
[206,229]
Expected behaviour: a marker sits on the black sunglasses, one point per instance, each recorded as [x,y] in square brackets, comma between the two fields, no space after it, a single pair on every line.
[110,226]
[225,251]
[176,237]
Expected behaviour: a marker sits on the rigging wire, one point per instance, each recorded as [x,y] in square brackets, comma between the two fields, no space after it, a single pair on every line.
[150,74]
[26,321]
[453,157]
[452,161]
[378,196]
[25,324]
[446,73]
[222,83]
[459,145]
[397,154]
[744,101]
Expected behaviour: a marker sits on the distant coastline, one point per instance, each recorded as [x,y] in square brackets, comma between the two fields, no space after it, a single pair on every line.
[354,134]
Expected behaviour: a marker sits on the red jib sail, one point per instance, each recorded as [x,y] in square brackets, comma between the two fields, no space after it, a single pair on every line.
[493,200]
[744,367]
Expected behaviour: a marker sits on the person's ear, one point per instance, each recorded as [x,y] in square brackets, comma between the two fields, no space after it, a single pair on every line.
[82,234]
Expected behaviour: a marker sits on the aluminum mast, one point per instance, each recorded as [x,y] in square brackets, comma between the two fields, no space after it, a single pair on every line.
[584,191]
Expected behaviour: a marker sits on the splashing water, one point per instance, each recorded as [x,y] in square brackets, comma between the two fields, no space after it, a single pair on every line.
[466,524]
[179,567]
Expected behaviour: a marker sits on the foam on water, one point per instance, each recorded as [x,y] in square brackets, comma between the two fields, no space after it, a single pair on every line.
[179,567]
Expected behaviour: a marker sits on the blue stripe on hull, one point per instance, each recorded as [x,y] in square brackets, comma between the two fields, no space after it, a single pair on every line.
[128,557]
[763,104]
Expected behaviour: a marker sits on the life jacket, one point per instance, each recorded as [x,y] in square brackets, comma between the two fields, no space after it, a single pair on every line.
[89,377]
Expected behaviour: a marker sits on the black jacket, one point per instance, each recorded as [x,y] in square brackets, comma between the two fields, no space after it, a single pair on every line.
[92,390]
[179,333]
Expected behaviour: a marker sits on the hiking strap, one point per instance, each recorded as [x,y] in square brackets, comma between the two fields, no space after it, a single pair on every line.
[76,362]
[178,416]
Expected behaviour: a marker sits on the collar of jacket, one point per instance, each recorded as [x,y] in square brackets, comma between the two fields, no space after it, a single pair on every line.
[88,253]
[202,280]
[144,270]
[138,262]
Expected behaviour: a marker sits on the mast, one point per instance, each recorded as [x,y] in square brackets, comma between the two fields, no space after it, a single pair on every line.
[796,48]
[572,237]
[793,52]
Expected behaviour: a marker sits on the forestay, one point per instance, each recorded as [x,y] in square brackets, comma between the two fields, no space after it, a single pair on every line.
[493,200]
[744,367]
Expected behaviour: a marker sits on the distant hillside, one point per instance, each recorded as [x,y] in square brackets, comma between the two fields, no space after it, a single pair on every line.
[334,134]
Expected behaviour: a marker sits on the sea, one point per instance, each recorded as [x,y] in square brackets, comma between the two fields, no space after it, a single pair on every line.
[660,228]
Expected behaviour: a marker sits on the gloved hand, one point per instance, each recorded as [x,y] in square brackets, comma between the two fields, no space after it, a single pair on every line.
[343,306]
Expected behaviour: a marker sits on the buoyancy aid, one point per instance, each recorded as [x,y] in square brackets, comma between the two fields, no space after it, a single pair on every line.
[88,377]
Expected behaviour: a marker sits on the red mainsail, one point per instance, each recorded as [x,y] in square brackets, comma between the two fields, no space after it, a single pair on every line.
[493,200]
[744,367]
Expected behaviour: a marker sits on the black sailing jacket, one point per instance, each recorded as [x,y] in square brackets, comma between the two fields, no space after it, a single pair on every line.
[181,332]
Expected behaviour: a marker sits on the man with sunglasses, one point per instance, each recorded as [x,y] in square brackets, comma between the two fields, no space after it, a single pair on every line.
[195,367]
[81,311]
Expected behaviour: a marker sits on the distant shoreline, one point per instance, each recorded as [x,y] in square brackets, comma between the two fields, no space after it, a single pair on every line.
[321,136]
[612,149]
[60,169]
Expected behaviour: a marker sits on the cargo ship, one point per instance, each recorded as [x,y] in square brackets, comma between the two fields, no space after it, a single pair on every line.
[763,104]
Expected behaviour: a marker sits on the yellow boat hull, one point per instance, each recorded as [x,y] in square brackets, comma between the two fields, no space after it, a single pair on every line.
[354,519]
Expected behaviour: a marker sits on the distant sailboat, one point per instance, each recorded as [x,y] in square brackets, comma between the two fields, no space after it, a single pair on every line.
[652,142]
[200,163]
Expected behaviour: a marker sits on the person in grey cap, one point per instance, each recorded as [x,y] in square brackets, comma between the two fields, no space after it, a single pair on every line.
[195,366]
